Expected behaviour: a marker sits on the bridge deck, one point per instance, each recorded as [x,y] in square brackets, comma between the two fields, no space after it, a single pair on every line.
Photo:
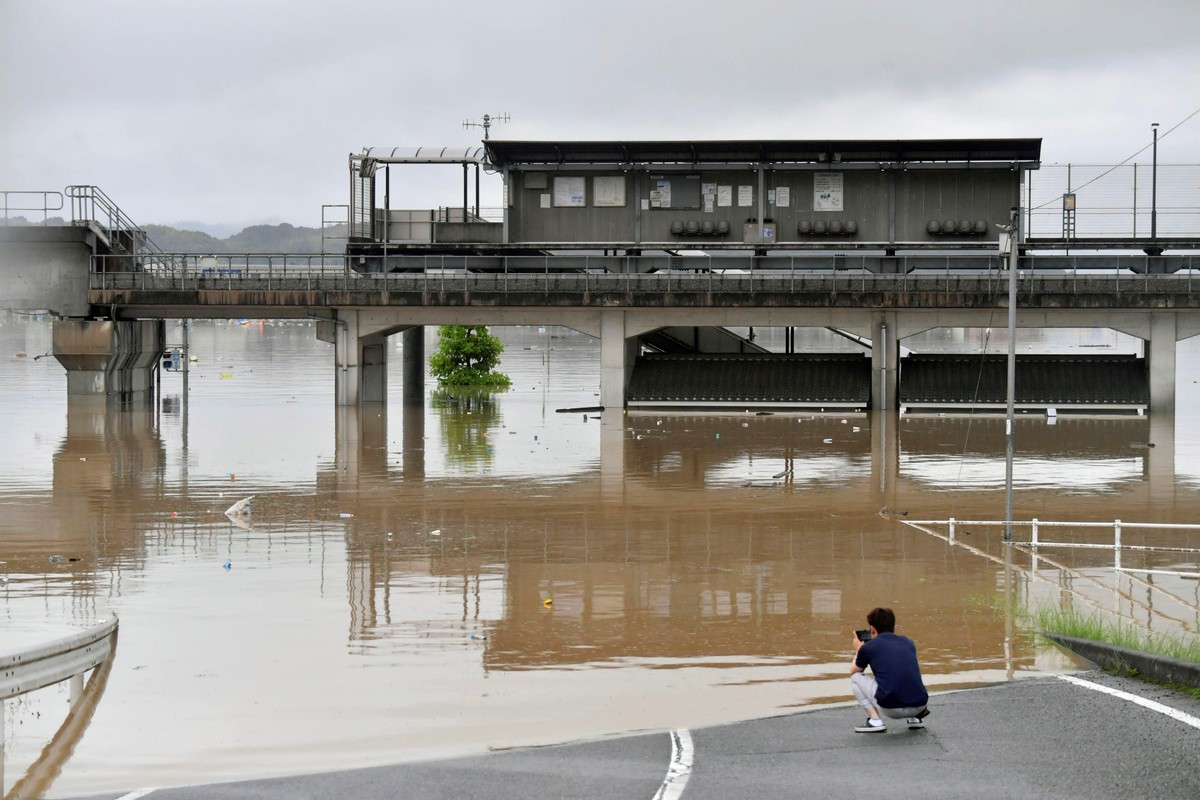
[236,290]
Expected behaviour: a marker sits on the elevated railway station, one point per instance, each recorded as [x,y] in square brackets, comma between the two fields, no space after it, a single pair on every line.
[667,251]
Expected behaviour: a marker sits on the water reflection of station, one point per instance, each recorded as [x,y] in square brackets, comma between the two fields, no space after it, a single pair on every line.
[782,560]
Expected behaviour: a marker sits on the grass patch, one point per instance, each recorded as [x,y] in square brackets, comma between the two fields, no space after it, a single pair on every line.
[1185,647]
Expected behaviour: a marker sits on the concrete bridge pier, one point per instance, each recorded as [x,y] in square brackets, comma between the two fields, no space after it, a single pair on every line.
[1160,356]
[360,360]
[885,360]
[361,356]
[115,359]
[618,352]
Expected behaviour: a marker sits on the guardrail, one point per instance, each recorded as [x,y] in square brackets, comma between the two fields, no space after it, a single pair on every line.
[588,274]
[12,201]
[36,667]
[955,534]
[1117,547]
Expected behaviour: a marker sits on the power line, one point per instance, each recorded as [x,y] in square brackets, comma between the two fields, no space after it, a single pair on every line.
[1123,163]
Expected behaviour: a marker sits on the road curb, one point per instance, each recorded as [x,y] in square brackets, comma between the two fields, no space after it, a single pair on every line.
[1114,658]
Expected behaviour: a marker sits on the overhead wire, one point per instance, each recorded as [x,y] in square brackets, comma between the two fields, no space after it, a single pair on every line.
[1161,136]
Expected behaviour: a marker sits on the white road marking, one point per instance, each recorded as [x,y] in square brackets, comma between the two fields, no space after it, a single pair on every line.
[134,795]
[1186,719]
[680,768]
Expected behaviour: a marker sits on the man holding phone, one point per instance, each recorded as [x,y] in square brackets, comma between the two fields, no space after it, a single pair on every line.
[894,687]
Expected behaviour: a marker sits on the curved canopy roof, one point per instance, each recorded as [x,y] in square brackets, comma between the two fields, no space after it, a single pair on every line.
[421,155]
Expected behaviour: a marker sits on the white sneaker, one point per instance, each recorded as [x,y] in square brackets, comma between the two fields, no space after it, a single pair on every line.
[915,724]
[871,726]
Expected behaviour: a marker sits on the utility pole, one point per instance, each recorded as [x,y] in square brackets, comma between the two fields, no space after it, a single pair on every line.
[1011,387]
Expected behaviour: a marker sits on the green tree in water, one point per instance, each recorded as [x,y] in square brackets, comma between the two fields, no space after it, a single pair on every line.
[467,356]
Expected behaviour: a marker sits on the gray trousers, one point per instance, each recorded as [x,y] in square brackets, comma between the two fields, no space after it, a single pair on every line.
[864,687]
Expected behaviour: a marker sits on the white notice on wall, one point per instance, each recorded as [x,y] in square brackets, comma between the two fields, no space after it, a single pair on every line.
[724,196]
[545,200]
[645,204]
[608,191]
[745,196]
[708,188]
[708,203]
[827,191]
[783,196]
[569,192]
[660,195]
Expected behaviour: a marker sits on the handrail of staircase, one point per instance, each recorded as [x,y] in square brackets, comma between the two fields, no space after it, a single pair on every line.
[90,204]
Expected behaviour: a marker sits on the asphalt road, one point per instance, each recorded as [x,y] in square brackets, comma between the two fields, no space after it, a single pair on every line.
[1037,738]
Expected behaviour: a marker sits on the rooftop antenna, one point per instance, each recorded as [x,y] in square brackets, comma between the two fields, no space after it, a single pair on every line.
[488,121]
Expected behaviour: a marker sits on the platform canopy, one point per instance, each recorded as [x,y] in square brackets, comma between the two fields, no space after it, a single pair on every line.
[421,155]
[816,151]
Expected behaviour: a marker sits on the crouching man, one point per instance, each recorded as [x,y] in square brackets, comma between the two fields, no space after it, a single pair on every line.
[894,686]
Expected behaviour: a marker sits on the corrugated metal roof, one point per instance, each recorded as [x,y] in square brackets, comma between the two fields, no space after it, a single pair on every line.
[1024,151]
[1053,380]
[749,378]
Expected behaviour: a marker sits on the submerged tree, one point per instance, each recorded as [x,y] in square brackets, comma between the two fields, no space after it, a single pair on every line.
[467,356]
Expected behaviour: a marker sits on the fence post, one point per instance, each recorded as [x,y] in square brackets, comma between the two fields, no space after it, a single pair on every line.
[952,529]
[1033,534]
[1117,545]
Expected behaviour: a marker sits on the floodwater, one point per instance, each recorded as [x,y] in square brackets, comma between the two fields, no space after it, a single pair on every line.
[490,573]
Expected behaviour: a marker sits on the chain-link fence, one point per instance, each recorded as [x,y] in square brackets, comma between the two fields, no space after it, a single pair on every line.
[1113,202]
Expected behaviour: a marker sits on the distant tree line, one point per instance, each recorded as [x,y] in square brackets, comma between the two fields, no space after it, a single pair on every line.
[281,238]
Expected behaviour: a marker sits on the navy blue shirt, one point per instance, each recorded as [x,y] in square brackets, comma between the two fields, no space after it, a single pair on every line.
[893,662]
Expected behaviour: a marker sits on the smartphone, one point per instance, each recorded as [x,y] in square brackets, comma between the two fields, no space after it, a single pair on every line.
[863,635]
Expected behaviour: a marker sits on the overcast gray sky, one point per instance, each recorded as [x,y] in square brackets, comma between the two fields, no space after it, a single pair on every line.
[244,111]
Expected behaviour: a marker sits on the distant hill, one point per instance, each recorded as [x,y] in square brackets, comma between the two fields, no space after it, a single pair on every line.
[282,238]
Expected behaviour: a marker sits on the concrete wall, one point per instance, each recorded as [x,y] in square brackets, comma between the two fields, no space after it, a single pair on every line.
[46,269]
[886,204]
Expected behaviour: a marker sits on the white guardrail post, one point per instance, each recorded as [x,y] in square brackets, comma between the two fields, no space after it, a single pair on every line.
[43,665]
[1117,545]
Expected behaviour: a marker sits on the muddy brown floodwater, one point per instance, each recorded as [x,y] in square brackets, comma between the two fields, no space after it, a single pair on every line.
[487,572]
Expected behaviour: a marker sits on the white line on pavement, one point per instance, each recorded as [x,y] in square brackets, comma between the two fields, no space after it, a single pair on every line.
[1186,719]
[134,795]
[680,768]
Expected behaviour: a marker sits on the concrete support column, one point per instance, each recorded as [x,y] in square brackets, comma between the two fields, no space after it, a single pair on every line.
[617,354]
[885,361]
[1160,353]
[360,362]
[113,359]
[413,345]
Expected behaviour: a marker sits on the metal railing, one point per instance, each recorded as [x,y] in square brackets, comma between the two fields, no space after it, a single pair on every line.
[1092,576]
[455,214]
[590,274]
[42,202]
[90,204]
[36,667]
[1035,541]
